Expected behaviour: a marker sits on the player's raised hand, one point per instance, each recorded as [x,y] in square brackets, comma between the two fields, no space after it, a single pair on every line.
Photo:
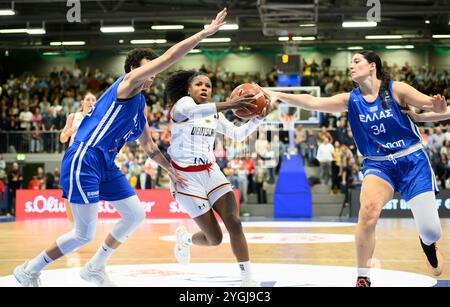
[271,96]
[270,106]
[438,104]
[216,23]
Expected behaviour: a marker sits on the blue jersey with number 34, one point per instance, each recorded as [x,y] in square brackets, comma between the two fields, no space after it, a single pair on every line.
[380,131]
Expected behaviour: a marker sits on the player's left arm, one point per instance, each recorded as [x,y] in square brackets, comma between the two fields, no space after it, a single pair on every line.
[428,116]
[153,152]
[410,96]
[236,133]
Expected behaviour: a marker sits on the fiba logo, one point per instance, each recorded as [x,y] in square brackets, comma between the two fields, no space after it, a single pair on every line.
[74,13]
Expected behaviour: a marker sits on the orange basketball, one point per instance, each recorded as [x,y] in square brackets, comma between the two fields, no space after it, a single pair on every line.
[260,102]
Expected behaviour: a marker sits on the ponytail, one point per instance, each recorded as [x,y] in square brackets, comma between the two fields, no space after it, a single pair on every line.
[383,93]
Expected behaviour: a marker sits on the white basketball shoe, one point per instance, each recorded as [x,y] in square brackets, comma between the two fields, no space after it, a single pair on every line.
[27,279]
[98,277]
[182,249]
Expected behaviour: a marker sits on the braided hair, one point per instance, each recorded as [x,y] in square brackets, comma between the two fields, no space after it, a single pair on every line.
[177,85]
[383,75]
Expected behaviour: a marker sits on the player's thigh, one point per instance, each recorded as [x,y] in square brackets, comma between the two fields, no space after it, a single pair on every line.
[375,193]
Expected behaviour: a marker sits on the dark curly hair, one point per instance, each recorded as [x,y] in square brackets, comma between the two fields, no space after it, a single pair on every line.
[135,56]
[382,74]
[177,85]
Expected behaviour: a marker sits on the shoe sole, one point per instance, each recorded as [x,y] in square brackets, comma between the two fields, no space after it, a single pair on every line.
[436,271]
[86,278]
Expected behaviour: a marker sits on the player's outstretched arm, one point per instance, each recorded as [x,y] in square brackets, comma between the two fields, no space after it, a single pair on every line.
[409,95]
[67,131]
[175,53]
[428,116]
[337,103]
[186,108]
[235,133]
[153,152]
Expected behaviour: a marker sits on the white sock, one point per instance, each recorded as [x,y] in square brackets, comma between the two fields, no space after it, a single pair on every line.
[187,239]
[100,258]
[246,271]
[364,272]
[37,264]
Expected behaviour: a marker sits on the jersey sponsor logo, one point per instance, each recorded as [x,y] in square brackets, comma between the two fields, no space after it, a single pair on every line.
[367,118]
[201,131]
[393,145]
[93,194]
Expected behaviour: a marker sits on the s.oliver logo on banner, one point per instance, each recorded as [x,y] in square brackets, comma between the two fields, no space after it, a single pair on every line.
[41,204]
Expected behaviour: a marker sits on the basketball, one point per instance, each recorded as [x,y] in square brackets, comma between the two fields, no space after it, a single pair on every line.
[245,89]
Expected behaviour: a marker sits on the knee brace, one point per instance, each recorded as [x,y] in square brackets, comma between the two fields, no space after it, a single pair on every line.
[85,217]
[132,215]
[426,217]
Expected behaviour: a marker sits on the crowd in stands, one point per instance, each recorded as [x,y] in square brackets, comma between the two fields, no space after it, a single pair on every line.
[34,109]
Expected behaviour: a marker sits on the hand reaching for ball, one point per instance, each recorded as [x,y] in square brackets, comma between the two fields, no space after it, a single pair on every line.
[246,102]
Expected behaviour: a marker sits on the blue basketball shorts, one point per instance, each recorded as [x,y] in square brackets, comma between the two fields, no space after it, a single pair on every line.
[86,178]
[410,175]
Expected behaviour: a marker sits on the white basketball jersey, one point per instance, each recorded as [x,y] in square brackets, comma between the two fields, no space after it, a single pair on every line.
[77,119]
[192,140]
[194,129]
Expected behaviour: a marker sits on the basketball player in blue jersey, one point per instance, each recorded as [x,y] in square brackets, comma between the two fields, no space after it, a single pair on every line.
[88,172]
[394,159]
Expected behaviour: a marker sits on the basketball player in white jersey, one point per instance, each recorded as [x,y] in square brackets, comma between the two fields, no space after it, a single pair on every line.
[194,124]
[74,119]
[71,127]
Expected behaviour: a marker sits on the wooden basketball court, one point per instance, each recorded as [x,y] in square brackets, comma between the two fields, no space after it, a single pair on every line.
[397,245]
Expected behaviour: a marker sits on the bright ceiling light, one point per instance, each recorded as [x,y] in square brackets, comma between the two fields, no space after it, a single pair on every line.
[296,38]
[7,13]
[148,41]
[216,40]
[400,47]
[68,43]
[384,36]
[359,24]
[117,29]
[195,51]
[168,27]
[13,31]
[36,31]
[231,26]
[355,48]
